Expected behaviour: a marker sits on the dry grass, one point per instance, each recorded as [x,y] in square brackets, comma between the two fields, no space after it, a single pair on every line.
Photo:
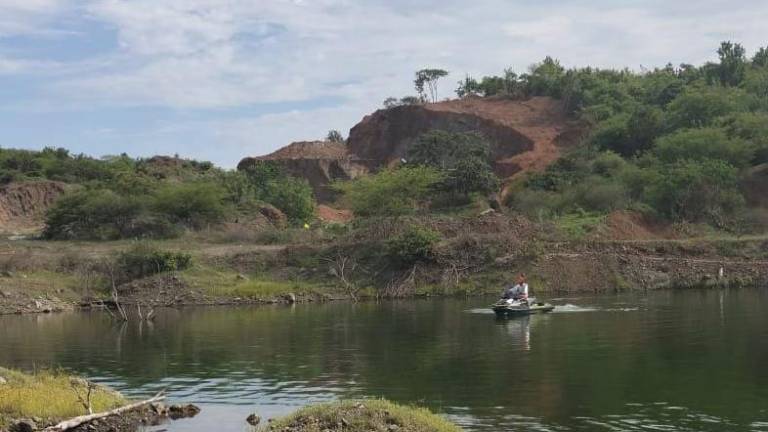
[48,395]
[363,416]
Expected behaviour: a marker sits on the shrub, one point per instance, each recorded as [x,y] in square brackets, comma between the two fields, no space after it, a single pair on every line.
[702,105]
[144,260]
[696,191]
[391,192]
[705,143]
[293,196]
[413,245]
[192,204]
[92,214]
[463,158]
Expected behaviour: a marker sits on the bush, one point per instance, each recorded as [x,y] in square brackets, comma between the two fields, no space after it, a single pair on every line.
[391,192]
[144,260]
[413,245]
[293,196]
[701,106]
[463,158]
[93,214]
[696,191]
[705,143]
[191,204]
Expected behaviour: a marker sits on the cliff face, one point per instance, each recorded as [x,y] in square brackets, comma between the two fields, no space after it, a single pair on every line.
[23,205]
[320,162]
[524,135]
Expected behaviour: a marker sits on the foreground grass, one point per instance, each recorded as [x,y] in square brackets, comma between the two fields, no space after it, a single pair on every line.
[363,416]
[49,396]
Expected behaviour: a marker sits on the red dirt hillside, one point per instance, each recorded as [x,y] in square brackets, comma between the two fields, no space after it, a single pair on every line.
[524,135]
[23,205]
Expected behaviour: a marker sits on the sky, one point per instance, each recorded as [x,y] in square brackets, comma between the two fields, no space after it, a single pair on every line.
[223,79]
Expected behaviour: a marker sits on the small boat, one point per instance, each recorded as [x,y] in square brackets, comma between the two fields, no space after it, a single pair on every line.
[505,309]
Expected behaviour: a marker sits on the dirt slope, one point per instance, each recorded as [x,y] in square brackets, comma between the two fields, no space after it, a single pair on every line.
[23,205]
[524,135]
[320,162]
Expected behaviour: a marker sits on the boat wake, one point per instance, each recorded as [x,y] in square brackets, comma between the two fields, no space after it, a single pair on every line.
[572,308]
[566,308]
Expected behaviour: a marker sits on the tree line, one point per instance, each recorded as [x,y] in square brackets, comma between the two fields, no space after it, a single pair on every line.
[121,197]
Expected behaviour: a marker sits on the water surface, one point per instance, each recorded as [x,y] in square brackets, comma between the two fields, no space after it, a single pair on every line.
[671,361]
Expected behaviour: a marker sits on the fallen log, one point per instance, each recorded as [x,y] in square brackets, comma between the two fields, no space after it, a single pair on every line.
[77,421]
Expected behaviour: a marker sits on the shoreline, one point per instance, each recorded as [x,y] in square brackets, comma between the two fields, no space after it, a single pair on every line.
[49,277]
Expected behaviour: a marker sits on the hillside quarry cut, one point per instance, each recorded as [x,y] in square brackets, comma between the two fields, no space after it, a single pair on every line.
[525,136]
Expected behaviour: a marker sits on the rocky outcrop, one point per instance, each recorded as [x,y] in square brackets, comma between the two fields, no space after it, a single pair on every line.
[524,135]
[23,204]
[320,162]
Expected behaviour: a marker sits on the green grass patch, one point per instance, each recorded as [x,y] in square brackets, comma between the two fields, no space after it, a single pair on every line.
[227,283]
[49,395]
[578,225]
[363,416]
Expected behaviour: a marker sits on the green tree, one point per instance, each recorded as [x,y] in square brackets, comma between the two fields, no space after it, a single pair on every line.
[463,158]
[756,82]
[696,191]
[428,78]
[544,78]
[468,87]
[335,136]
[760,58]
[700,106]
[733,63]
[414,245]
[705,143]
[752,127]
[293,196]
[193,204]
[391,192]
[93,214]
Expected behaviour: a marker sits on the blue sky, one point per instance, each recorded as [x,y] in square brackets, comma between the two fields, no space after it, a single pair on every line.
[222,79]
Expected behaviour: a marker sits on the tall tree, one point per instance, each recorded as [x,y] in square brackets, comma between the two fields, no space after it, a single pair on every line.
[732,63]
[428,78]
[335,136]
[761,57]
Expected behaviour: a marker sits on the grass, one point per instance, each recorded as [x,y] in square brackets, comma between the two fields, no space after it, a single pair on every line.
[362,416]
[49,396]
[43,282]
[228,283]
[577,225]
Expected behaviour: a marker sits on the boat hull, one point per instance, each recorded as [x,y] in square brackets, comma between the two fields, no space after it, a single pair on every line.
[506,311]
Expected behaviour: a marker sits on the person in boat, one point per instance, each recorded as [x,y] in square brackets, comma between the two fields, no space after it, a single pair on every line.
[519,291]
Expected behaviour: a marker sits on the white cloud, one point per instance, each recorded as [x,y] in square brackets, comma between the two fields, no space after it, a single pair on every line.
[202,55]
[28,16]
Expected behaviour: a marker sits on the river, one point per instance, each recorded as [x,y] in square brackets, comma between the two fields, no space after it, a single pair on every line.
[666,361]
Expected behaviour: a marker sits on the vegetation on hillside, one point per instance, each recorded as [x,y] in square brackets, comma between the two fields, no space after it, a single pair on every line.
[675,142]
[120,197]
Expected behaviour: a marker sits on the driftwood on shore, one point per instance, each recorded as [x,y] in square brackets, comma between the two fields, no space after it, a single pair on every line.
[77,421]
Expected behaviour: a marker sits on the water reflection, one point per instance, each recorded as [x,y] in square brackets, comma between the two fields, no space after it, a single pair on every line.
[518,329]
[573,370]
